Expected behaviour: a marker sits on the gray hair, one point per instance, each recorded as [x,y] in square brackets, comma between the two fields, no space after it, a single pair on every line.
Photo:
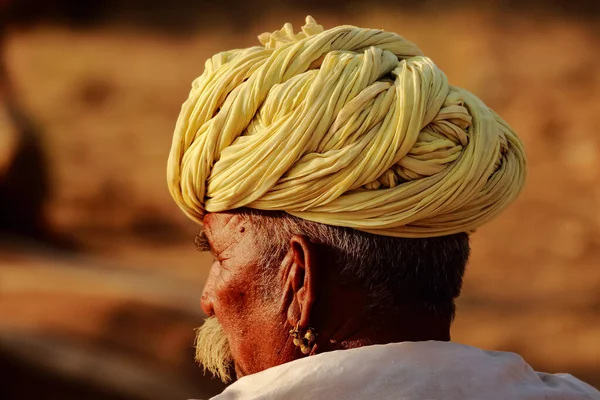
[425,272]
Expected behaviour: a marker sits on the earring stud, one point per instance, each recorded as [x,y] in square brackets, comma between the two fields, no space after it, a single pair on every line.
[306,341]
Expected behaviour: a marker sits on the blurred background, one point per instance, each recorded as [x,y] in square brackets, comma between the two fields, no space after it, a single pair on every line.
[99,279]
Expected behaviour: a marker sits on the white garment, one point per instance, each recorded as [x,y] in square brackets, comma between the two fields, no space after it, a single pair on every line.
[409,371]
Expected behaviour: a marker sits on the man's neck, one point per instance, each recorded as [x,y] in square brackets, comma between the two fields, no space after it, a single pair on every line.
[369,328]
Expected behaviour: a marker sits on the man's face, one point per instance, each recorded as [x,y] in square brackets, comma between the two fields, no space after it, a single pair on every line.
[255,328]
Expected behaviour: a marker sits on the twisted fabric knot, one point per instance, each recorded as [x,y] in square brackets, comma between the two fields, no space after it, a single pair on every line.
[348,126]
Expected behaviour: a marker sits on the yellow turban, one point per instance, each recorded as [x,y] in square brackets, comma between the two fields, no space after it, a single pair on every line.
[348,127]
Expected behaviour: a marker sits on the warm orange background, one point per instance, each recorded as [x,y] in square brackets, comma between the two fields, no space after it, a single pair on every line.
[104,303]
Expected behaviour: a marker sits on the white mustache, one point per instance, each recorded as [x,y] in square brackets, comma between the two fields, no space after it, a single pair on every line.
[212,349]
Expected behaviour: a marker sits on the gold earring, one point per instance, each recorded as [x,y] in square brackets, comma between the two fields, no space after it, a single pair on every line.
[295,334]
[304,342]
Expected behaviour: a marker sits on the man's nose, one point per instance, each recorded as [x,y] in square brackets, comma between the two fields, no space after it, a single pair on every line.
[208,293]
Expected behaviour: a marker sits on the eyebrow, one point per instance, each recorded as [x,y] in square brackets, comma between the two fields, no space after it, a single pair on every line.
[201,242]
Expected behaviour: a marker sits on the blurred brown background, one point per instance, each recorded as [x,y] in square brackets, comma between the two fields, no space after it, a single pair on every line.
[99,280]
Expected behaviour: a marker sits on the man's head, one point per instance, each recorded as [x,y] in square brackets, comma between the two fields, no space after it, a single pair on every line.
[371,170]
[273,271]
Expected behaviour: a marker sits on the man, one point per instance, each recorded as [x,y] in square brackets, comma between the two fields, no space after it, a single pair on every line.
[336,176]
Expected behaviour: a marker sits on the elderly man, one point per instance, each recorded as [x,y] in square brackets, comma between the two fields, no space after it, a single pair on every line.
[337,176]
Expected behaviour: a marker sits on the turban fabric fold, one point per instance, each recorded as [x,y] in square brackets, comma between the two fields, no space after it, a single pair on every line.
[349,127]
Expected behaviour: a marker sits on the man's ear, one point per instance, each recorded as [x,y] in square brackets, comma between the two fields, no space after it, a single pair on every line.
[301,280]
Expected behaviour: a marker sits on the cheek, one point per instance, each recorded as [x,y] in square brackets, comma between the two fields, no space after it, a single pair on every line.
[232,296]
[231,306]
[256,331]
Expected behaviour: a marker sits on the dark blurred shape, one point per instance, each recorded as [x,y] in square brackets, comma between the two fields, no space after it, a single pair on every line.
[22,380]
[24,179]
[51,367]
[24,187]
[109,333]
[178,16]
[72,12]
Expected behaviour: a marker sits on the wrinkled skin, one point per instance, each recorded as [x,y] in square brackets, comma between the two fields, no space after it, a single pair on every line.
[308,291]
[253,326]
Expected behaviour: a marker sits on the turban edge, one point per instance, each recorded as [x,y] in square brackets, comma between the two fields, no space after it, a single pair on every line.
[349,127]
